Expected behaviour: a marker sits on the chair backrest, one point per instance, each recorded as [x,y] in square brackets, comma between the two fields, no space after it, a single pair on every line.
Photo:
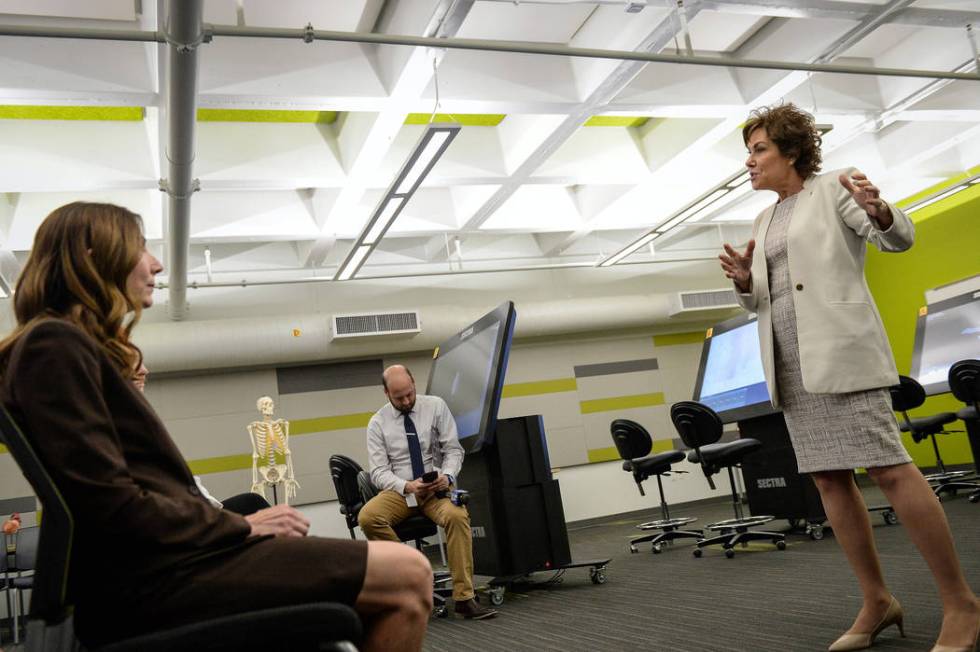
[696,423]
[344,472]
[632,440]
[964,381]
[365,486]
[49,596]
[907,394]
[25,557]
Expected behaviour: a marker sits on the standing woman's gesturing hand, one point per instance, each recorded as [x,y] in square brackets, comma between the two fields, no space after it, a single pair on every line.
[866,195]
[738,267]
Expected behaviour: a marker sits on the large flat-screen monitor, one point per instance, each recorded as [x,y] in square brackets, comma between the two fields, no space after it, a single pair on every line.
[730,378]
[946,332]
[468,373]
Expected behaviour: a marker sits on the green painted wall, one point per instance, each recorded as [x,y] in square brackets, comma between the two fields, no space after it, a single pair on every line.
[947,249]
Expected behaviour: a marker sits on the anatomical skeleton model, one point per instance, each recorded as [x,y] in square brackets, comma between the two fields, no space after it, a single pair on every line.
[270,448]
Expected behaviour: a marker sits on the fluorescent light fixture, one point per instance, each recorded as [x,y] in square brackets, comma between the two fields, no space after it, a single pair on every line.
[629,249]
[427,151]
[423,161]
[692,210]
[354,262]
[932,200]
[383,219]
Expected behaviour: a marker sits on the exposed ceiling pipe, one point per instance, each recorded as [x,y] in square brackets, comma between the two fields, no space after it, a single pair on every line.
[309,35]
[185,32]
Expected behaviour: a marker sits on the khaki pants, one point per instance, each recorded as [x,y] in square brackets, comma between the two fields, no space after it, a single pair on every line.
[389,508]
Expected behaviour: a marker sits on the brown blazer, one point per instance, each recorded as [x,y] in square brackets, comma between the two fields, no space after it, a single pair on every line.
[137,510]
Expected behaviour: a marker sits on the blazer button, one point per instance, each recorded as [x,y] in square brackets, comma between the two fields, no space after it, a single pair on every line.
[799,286]
[193,490]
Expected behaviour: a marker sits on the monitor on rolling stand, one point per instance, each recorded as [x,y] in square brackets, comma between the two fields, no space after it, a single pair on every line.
[515,505]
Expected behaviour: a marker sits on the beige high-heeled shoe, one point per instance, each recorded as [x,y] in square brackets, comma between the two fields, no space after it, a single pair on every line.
[893,616]
[950,648]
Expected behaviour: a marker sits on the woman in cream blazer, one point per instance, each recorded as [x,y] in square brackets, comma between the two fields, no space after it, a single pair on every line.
[828,363]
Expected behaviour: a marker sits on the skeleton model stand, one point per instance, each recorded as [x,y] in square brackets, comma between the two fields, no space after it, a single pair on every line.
[270,448]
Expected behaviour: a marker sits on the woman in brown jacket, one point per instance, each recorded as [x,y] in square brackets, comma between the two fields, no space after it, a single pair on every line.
[150,552]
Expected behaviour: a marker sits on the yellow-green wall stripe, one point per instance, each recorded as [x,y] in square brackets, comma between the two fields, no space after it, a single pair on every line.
[621,402]
[263,115]
[3,449]
[30,112]
[673,339]
[323,424]
[221,464]
[540,387]
[610,453]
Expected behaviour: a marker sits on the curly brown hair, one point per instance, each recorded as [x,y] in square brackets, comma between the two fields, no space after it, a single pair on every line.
[77,271]
[793,131]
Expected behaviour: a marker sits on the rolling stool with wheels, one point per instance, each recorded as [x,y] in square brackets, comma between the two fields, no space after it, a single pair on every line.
[634,445]
[700,429]
[964,383]
[909,394]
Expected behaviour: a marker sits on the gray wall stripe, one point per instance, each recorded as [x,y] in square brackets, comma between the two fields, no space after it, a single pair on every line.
[323,377]
[23,504]
[609,368]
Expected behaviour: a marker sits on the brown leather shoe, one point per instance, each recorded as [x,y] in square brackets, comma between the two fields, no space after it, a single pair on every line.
[471,610]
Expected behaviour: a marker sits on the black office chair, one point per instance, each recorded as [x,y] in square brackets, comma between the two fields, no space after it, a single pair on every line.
[634,445]
[354,489]
[964,383]
[315,626]
[20,576]
[909,394]
[700,429]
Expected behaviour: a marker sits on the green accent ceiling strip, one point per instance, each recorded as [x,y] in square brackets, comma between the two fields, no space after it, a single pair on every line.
[674,339]
[259,115]
[621,402]
[616,121]
[3,449]
[113,113]
[540,387]
[465,119]
[323,424]
[220,464]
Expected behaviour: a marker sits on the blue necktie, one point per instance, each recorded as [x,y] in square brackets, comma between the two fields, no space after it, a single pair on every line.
[414,449]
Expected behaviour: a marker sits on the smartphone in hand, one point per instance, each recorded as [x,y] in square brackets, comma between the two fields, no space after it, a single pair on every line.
[429,476]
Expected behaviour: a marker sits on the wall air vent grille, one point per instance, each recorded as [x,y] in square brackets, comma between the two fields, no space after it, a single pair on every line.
[702,300]
[389,323]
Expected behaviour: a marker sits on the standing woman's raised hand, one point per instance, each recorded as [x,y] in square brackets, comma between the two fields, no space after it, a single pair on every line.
[866,195]
[738,267]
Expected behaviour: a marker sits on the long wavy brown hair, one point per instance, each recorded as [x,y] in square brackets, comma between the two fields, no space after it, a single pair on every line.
[77,271]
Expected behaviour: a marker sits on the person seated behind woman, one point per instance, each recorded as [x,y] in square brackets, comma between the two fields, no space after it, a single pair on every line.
[150,552]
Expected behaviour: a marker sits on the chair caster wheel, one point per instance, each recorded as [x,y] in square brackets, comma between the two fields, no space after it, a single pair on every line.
[816,533]
[697,552]
[598,577]
[781,545]
[891,518]
[975,498]
[657,548]
[497,596]
[729,553]
[634,549]
[441,612]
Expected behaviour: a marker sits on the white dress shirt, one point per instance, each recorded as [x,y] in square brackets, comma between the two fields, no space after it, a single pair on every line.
[387,443]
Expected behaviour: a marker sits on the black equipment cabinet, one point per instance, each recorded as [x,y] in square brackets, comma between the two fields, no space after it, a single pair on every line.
[515,505]
[772,481]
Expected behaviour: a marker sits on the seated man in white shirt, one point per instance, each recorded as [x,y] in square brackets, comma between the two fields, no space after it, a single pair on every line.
[408,436]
